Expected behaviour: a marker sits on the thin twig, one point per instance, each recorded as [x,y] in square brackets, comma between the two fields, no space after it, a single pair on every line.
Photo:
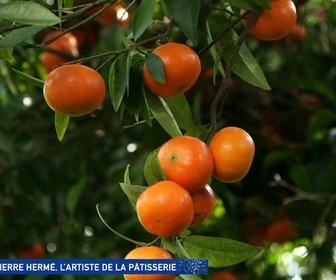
[220,35]
[219,98]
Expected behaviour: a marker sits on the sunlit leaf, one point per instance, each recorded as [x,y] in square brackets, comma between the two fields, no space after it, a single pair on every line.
[28,12]
[155,67]
[180,108]
[132,191]
[143,17]
[186,15]
[17,36]
[245,66]
[153,172]
[61,125]
[163,115]
[220,252]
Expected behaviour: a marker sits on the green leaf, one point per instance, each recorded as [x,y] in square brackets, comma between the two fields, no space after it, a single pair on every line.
[180,108]
[218,66]
[74,194]
[132,191]
[68,3]
[61,125]
[119,79]
[143,17]
[155,67]
[198,131]
[17,36]
[186,14]
[276,157]
[153,172]
[30,79]
[27,12]
[189,277]
[247,5]
[245,66]
[163,115]
[127,179]
[220,252]
[144,109]
[6,54]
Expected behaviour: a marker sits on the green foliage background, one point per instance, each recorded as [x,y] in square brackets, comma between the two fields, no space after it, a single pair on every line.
[49,188]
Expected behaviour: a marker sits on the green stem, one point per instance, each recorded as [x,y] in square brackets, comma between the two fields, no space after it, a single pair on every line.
[139,243]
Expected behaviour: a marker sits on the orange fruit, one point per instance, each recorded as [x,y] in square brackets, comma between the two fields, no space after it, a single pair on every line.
[297,33]
[204,203]
[37,251]
[276,22]
[224,275]
[150,252]
[74,90]
[182,67]
[232,149]
[186,161]
[165,209]
[114,14]
[280,231]
[65,46]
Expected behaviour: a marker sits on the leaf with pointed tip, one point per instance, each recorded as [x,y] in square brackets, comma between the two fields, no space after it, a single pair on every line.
[119,79]
[28,12]
[180,108]
[163,115]
[30,79]
[220,252]
[17,36]
[245,66]
[186,15]
[154,66]
[143,17]
[61,125]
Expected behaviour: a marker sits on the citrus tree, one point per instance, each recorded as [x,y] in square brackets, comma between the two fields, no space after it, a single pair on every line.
[191,129]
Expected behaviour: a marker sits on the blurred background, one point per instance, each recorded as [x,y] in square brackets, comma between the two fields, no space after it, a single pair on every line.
[286,204]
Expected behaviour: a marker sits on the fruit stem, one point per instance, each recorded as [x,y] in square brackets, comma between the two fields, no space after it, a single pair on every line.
[139,243]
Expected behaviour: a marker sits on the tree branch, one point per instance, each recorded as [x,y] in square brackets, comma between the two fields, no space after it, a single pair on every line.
[220,96]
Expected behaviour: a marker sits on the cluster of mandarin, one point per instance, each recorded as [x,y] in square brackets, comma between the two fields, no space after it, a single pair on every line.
[184,198]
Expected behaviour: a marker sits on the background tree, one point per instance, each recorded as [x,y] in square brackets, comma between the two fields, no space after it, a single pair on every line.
[281,92]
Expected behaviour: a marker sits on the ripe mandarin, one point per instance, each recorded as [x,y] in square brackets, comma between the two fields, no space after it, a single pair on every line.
[65,48]
[280,231]
[224,275]
[276,22]
[181,65]
[232,149]
[165,209]
[74,90]
[186,161]
[37,251]
[150,252]
[204,203]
